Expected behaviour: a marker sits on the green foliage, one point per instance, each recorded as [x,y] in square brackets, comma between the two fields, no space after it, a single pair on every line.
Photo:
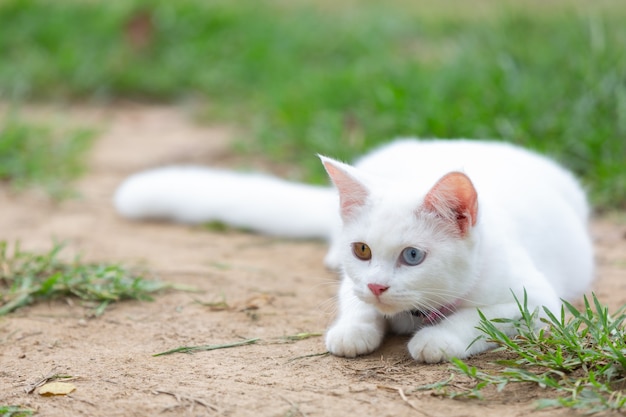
[341,79]
[38,154]
[579,355]
[14,411]
[27,277]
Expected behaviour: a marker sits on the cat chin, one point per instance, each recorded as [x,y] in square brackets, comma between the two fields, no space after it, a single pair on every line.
[388,310]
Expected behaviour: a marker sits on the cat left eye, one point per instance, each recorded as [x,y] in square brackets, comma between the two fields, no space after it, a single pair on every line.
[412,256]
[362,251]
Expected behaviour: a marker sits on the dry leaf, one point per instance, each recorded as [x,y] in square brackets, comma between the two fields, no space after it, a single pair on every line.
[56,388]
[257,301]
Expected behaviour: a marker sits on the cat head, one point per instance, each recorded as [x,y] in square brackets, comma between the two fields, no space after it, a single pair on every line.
[405,245]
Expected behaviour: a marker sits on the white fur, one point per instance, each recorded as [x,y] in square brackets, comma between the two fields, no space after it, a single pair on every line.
[530,234]
[257,202]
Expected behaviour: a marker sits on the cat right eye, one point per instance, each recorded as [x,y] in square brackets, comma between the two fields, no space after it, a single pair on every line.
[412,256]
[362,251]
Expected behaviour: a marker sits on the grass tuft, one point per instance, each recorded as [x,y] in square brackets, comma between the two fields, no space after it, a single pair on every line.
[579,356]
[28,277]
[37,154]
[15,411]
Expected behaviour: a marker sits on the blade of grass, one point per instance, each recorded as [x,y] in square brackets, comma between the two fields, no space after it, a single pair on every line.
[202,348]
[302,336]
[192,349]
[312,355]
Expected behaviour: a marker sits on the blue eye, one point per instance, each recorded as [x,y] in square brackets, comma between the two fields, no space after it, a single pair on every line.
[412,256]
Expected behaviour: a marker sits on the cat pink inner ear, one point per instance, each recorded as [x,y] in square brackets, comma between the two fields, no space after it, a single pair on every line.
[455,199]
[352,193]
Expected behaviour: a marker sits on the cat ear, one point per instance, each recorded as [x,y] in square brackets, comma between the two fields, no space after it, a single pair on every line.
[352,193]
[454,198]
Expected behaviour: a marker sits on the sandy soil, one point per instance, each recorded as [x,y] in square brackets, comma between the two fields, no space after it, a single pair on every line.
[275,288]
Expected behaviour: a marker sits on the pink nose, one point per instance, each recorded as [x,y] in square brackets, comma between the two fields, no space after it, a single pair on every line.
[377,289]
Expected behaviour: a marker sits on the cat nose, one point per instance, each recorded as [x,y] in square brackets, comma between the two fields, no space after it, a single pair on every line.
[377,289]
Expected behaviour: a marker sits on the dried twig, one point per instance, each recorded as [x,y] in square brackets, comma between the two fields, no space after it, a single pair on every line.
[294,407]
[180,398]
[50,377]
[313,355]
[404,398]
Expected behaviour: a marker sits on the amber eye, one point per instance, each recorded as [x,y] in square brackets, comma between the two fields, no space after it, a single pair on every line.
[362,251]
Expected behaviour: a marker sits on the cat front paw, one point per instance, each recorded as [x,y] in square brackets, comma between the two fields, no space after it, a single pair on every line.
[434,345]
[351,340]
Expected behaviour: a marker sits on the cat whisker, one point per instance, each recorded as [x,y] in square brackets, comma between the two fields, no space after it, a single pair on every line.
[326,284]
[330,306]
[448,294]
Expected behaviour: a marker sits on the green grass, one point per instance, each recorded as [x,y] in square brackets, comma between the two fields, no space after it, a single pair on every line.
[29,277]
[39,154]
[339,79]
[579,356]
[202,348]
[14,411]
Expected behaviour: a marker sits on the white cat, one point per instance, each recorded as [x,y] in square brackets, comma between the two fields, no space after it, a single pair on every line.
[424,234]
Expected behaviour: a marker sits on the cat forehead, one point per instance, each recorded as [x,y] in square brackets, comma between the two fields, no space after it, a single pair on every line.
[398,196]
[388,225]
[391,208]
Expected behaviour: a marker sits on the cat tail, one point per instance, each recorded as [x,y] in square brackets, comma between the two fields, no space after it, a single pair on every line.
[250,201]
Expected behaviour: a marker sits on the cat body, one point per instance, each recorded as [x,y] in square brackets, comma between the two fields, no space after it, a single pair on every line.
[424,233]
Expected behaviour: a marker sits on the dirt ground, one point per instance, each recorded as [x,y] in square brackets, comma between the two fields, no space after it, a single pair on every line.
[284,282]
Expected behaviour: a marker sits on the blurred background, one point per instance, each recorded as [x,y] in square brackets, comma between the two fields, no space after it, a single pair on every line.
[332,77]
